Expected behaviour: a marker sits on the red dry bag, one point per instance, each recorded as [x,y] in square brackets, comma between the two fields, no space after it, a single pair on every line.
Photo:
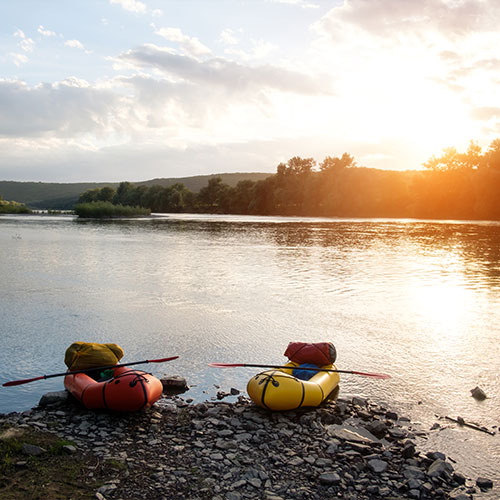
[320,353]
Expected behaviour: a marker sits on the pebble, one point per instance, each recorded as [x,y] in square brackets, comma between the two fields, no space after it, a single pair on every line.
[352,449]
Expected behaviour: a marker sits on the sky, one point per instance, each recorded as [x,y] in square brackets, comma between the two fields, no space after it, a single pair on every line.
[114,90]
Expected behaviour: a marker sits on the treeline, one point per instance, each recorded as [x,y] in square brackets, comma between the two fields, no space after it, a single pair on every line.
[453,185]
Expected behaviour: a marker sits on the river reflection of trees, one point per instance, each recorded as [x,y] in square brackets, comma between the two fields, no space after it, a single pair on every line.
[475,246]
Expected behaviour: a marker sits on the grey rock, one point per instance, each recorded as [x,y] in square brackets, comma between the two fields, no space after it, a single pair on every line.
[484,483]
[57,397]
[330,478]
[438,468]
[478,393]
[412,472]
[377,466]
[240,483]
[350,433]
[434,455]
[30,449]
[408,451]
[459,494]
[377,428]
[255,482]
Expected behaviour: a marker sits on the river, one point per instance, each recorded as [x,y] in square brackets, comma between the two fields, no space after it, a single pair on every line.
[419,300]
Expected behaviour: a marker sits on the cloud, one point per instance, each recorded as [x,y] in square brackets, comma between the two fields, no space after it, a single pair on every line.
[75,44]
[45,32]
[18,59]
[392,18]
[260,50]
[66,161]
[190,46]
[429,47]
[27,44]
[228,37]
[486,113]
[60,109]
[233,77]
[131,5]
[300,3]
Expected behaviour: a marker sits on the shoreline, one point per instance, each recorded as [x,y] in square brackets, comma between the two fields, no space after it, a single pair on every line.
[349,448]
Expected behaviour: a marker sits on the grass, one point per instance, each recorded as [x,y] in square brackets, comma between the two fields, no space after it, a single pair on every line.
[53,475]
[103,209]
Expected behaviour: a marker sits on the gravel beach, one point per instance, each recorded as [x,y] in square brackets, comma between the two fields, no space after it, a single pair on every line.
[351,448]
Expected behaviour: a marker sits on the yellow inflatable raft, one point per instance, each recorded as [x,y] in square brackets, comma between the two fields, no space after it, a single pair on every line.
[280,390]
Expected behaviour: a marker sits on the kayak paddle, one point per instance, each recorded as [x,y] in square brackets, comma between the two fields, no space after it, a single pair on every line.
[28,380]
[363,374]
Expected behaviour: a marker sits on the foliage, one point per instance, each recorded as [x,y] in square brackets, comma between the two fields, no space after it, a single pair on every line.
[13,207]
[454,185]
[451,159]
[63,196]
[103,209]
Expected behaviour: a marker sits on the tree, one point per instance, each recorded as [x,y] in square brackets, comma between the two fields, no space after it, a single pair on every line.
[89,196]
[106,194]
[123,193]
[214,197]
[492,156]
[241,197]
[451,159]
[473,159]
[336,163]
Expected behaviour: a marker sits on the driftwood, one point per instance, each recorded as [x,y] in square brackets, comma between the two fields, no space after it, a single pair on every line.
[461,421]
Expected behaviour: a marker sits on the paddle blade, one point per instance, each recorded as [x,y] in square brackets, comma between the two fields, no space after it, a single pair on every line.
[374,375]
[20,382]
[162,360]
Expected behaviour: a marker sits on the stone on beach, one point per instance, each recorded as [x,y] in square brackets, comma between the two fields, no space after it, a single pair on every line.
[478,393]
[222,450]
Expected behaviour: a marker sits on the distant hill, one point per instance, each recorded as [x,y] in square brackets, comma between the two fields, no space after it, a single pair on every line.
[62,196]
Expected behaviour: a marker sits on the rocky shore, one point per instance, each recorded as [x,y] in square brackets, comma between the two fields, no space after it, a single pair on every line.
[349,448]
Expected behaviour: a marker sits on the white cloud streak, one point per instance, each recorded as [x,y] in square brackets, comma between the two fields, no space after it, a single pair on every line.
[299,3]
[190,46]
[235,78]
[26,44]
[45,32]
[131,5]
[74,44]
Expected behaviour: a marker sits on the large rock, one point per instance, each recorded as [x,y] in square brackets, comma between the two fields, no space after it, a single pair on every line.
[174,384]
[57,397]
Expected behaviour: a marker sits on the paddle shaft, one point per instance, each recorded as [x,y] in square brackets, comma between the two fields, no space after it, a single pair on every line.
[27,381]
[281,367]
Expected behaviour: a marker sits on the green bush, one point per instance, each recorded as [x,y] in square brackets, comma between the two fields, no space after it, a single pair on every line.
[102,209]
[13,207]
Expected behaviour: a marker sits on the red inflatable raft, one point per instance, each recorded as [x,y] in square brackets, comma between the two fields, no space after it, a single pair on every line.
[126,390]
